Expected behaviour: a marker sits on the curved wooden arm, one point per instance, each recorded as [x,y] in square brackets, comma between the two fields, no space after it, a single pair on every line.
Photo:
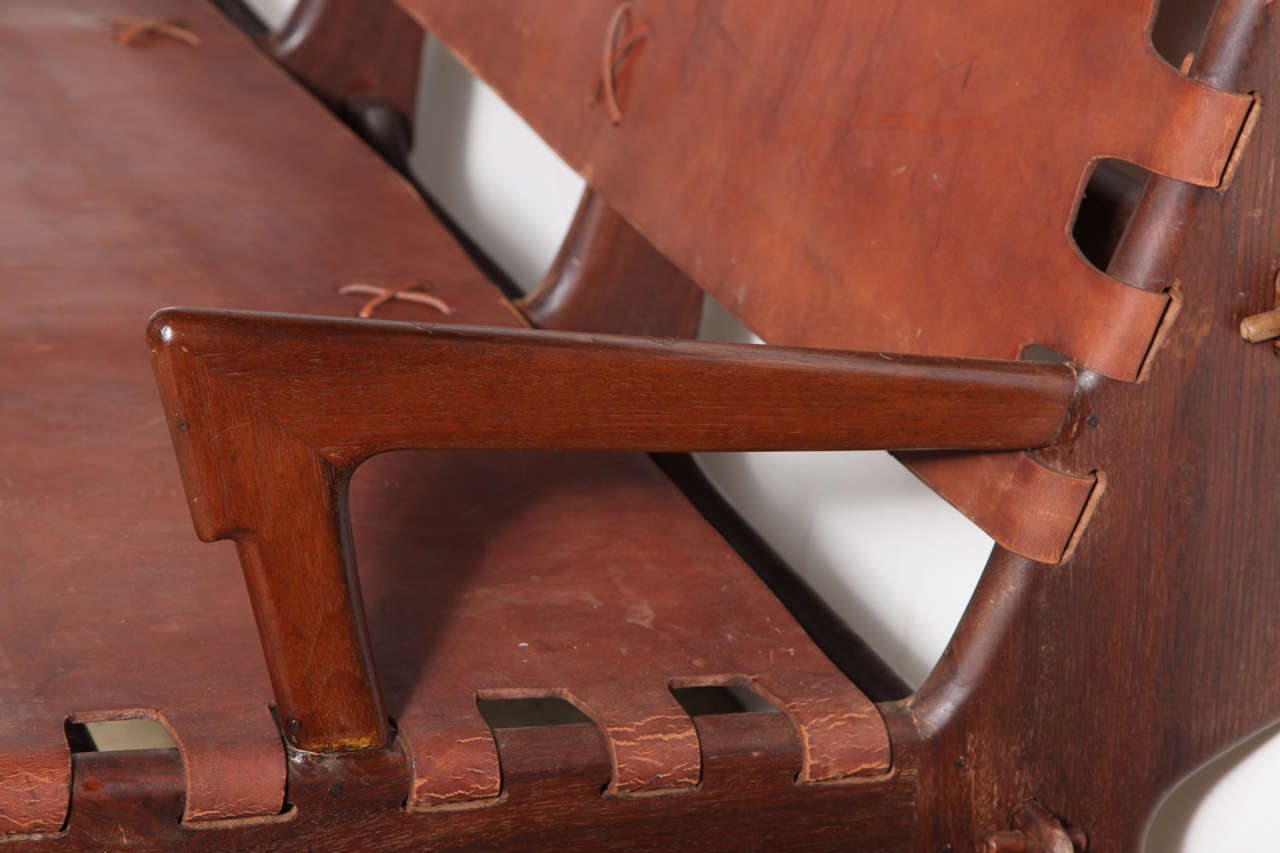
[270,414]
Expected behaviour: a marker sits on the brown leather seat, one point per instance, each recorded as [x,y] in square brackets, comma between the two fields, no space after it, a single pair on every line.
[863,176]
[155,173]
[1097,664]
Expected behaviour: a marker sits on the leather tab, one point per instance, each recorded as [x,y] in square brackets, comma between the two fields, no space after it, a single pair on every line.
[454,760]
[651,741]
[1025,506]
[1178,127]
[837,725]
[234,764]
[35,777]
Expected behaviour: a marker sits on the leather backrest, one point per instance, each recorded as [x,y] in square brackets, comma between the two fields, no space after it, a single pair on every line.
[864,175]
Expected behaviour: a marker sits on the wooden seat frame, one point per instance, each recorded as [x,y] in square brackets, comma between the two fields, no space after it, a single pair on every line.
[1074,695]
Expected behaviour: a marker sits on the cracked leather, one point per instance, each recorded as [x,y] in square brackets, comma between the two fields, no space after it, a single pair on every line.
[133,178]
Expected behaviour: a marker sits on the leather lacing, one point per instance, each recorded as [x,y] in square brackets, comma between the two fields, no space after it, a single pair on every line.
[135,33]
[616,49]
[403,291]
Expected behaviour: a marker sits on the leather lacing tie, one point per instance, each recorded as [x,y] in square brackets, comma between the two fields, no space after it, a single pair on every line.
[135,33]
[616,49]
[403,291]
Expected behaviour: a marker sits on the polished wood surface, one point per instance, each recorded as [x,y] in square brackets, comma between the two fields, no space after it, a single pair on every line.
[608,278]
[1072,697]
[345,52]
[270,415]
[112,608]
[361,59]
[914,200]
[1152,648]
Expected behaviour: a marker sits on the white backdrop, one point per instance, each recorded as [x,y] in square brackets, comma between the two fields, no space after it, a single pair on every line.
[888,555]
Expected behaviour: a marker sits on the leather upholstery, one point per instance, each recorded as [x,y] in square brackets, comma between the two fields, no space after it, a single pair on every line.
[137,177]
[892,176]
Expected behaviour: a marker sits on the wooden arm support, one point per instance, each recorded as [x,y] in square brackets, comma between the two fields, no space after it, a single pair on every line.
[270,414]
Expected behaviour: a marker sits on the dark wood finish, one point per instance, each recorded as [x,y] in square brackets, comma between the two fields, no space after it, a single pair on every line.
[1091,686]
[1153,647]
[1036,830]
[365,387]
[111,607]
[608,278]
[270,415]
[342,49]
[362,59]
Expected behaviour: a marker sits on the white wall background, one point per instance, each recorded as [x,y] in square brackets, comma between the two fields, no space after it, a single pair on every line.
[888,555]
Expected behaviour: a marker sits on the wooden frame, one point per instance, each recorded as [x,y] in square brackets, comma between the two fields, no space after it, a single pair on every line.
[271,414]
[1076,692]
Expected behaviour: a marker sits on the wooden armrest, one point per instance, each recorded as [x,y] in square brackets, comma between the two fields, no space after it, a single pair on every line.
[271,413]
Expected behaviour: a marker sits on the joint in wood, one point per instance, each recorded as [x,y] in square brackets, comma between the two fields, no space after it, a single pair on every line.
[1265,325]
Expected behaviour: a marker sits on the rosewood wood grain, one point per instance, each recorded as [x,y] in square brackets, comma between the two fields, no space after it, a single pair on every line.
[110,605]
[1092,685]
[481,387]
[1178,567]
[608,278]
[342,49]
[828,190]
[270,414]
[362,59]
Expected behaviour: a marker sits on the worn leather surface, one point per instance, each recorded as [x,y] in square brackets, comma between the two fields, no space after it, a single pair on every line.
[532,563]
[137,177]
[895,176]
[1027,506]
